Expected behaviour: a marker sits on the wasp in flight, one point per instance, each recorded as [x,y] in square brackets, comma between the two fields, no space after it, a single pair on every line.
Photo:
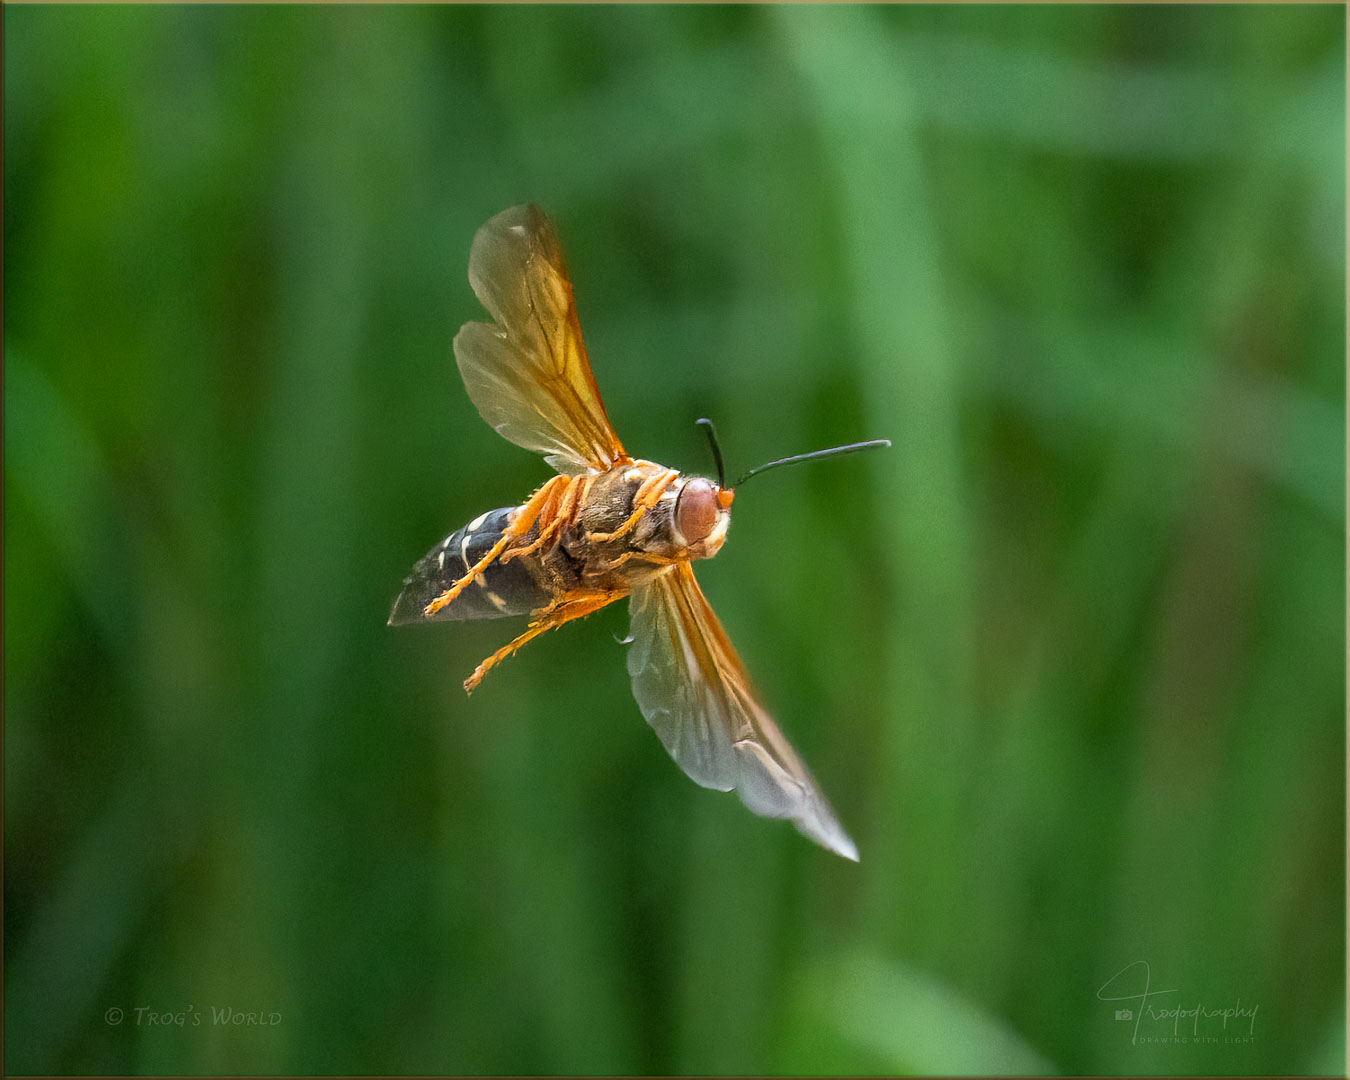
[607,526]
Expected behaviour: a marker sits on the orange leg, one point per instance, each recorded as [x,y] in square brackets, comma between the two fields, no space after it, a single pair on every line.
[556,517]
[566,608]
[645,556]
[648,495]
[529,514]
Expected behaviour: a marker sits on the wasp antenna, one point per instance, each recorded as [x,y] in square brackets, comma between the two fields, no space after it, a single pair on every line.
[707,426]
[834,451]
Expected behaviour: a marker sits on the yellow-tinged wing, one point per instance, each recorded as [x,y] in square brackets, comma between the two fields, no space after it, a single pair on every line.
[694,691]
[527,372]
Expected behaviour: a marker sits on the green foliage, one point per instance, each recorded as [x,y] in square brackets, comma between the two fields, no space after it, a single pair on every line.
[1069,659]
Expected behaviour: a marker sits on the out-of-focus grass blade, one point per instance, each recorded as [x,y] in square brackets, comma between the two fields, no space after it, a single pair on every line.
[910,1023]
[903,328]
[1131,379]
[57,978]
[1148,112]
[54,463]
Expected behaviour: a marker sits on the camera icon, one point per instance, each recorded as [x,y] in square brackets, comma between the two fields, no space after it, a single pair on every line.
[1124,1014]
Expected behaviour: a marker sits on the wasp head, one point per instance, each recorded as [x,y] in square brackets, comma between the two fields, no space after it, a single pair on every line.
[702,514]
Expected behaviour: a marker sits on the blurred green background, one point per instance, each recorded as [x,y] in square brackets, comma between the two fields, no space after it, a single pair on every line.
[1068,660]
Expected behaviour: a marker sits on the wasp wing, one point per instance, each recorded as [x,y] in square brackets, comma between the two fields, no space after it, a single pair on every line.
[694,691]
[527,372]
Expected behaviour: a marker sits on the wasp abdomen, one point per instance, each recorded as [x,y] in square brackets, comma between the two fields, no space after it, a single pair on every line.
[503,588]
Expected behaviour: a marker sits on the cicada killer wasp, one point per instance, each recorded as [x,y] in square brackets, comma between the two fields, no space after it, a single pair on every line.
[607,526]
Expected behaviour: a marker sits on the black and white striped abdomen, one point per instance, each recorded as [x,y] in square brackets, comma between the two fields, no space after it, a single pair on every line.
[502,589]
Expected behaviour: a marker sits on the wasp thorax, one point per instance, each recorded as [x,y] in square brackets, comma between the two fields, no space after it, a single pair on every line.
[699,506]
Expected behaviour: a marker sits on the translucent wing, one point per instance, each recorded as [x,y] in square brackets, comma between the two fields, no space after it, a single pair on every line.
[527,372]
[693,690]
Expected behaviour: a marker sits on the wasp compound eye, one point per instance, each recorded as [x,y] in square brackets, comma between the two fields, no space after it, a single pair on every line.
[696,511]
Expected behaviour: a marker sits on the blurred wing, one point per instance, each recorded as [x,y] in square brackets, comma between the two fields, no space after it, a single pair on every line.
[693,690]
[527,373]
